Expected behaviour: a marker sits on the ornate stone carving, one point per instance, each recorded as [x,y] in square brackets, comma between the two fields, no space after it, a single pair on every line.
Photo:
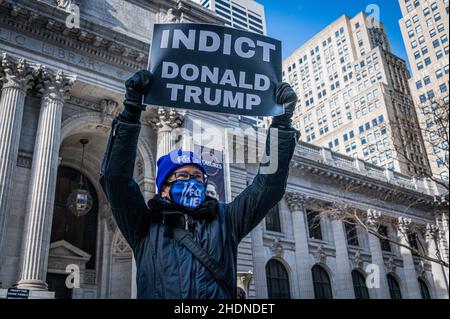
[164,119]
[54,84]
[65,4]
[84,103]
[16,73]
[403,224]
[357,260]
[373,218]
[169,17]
[421,268]
[320,255]
[109,109]
[432,232]
[390,264]
[244,278]
[277,248]
[295,201]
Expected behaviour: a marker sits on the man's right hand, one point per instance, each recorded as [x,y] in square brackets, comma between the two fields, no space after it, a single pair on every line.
[137,86]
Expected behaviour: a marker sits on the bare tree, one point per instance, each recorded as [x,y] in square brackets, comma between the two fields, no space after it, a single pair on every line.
[412,239]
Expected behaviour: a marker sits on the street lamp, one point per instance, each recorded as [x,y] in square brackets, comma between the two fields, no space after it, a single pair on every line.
[80,200]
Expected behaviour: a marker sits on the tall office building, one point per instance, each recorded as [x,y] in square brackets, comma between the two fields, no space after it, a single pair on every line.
[244,15]
[354,96]
[425,30]
[241,14]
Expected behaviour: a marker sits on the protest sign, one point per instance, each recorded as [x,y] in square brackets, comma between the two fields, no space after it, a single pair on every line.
[214,68]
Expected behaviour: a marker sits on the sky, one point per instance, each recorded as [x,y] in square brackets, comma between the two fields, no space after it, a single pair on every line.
[296,21]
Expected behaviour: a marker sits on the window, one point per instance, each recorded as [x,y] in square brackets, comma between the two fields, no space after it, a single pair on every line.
[385,244]
[321,281]
[359,285]
[273,220]
[437,17]
[394,288]
[277,280]
[314,227]
[413,241]
[424,289]
[352,233]
[419,84]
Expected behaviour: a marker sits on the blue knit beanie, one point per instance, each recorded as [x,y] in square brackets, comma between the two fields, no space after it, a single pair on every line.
[174,160]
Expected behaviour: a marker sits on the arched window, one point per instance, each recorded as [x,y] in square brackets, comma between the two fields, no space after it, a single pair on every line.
[277,280]
[394,288]
[322,284]
[359,285]
[424,289]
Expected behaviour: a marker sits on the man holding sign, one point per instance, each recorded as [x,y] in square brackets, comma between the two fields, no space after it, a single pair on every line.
[184,242]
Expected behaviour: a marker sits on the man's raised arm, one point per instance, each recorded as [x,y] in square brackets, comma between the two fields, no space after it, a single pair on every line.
[267,189]
[116,173]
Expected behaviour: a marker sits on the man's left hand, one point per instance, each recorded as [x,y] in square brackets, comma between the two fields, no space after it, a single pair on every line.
[285,95]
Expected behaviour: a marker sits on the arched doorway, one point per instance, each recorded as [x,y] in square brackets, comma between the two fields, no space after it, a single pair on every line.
[73,238]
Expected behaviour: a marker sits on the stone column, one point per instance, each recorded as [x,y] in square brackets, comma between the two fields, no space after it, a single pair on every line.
[17,78]
[164,121]
[296,204]
[259,259]
[438,271]
[344,280]
[381,285]
[443,243]
[409,269]
[41,195]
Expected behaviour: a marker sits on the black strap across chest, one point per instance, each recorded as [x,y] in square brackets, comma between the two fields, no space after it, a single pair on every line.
[185,238]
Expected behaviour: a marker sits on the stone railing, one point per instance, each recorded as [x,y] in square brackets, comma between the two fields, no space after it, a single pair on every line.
[326,156]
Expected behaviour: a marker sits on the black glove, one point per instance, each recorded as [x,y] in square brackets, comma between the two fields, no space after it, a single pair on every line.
[285,95]
[136,86]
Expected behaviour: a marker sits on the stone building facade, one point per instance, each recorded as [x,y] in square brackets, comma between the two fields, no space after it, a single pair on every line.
[60,85]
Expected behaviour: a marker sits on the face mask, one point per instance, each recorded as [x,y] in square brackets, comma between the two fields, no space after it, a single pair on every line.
[190,194]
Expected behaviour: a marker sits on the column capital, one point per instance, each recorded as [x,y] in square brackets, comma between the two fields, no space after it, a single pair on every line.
[164,119]
[432,232]
[16,72]
[54,84]
[296,201]
[373,217]
[403,224]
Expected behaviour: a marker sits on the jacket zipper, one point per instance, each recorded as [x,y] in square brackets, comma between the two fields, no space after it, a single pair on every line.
[114,132]
[186,222]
